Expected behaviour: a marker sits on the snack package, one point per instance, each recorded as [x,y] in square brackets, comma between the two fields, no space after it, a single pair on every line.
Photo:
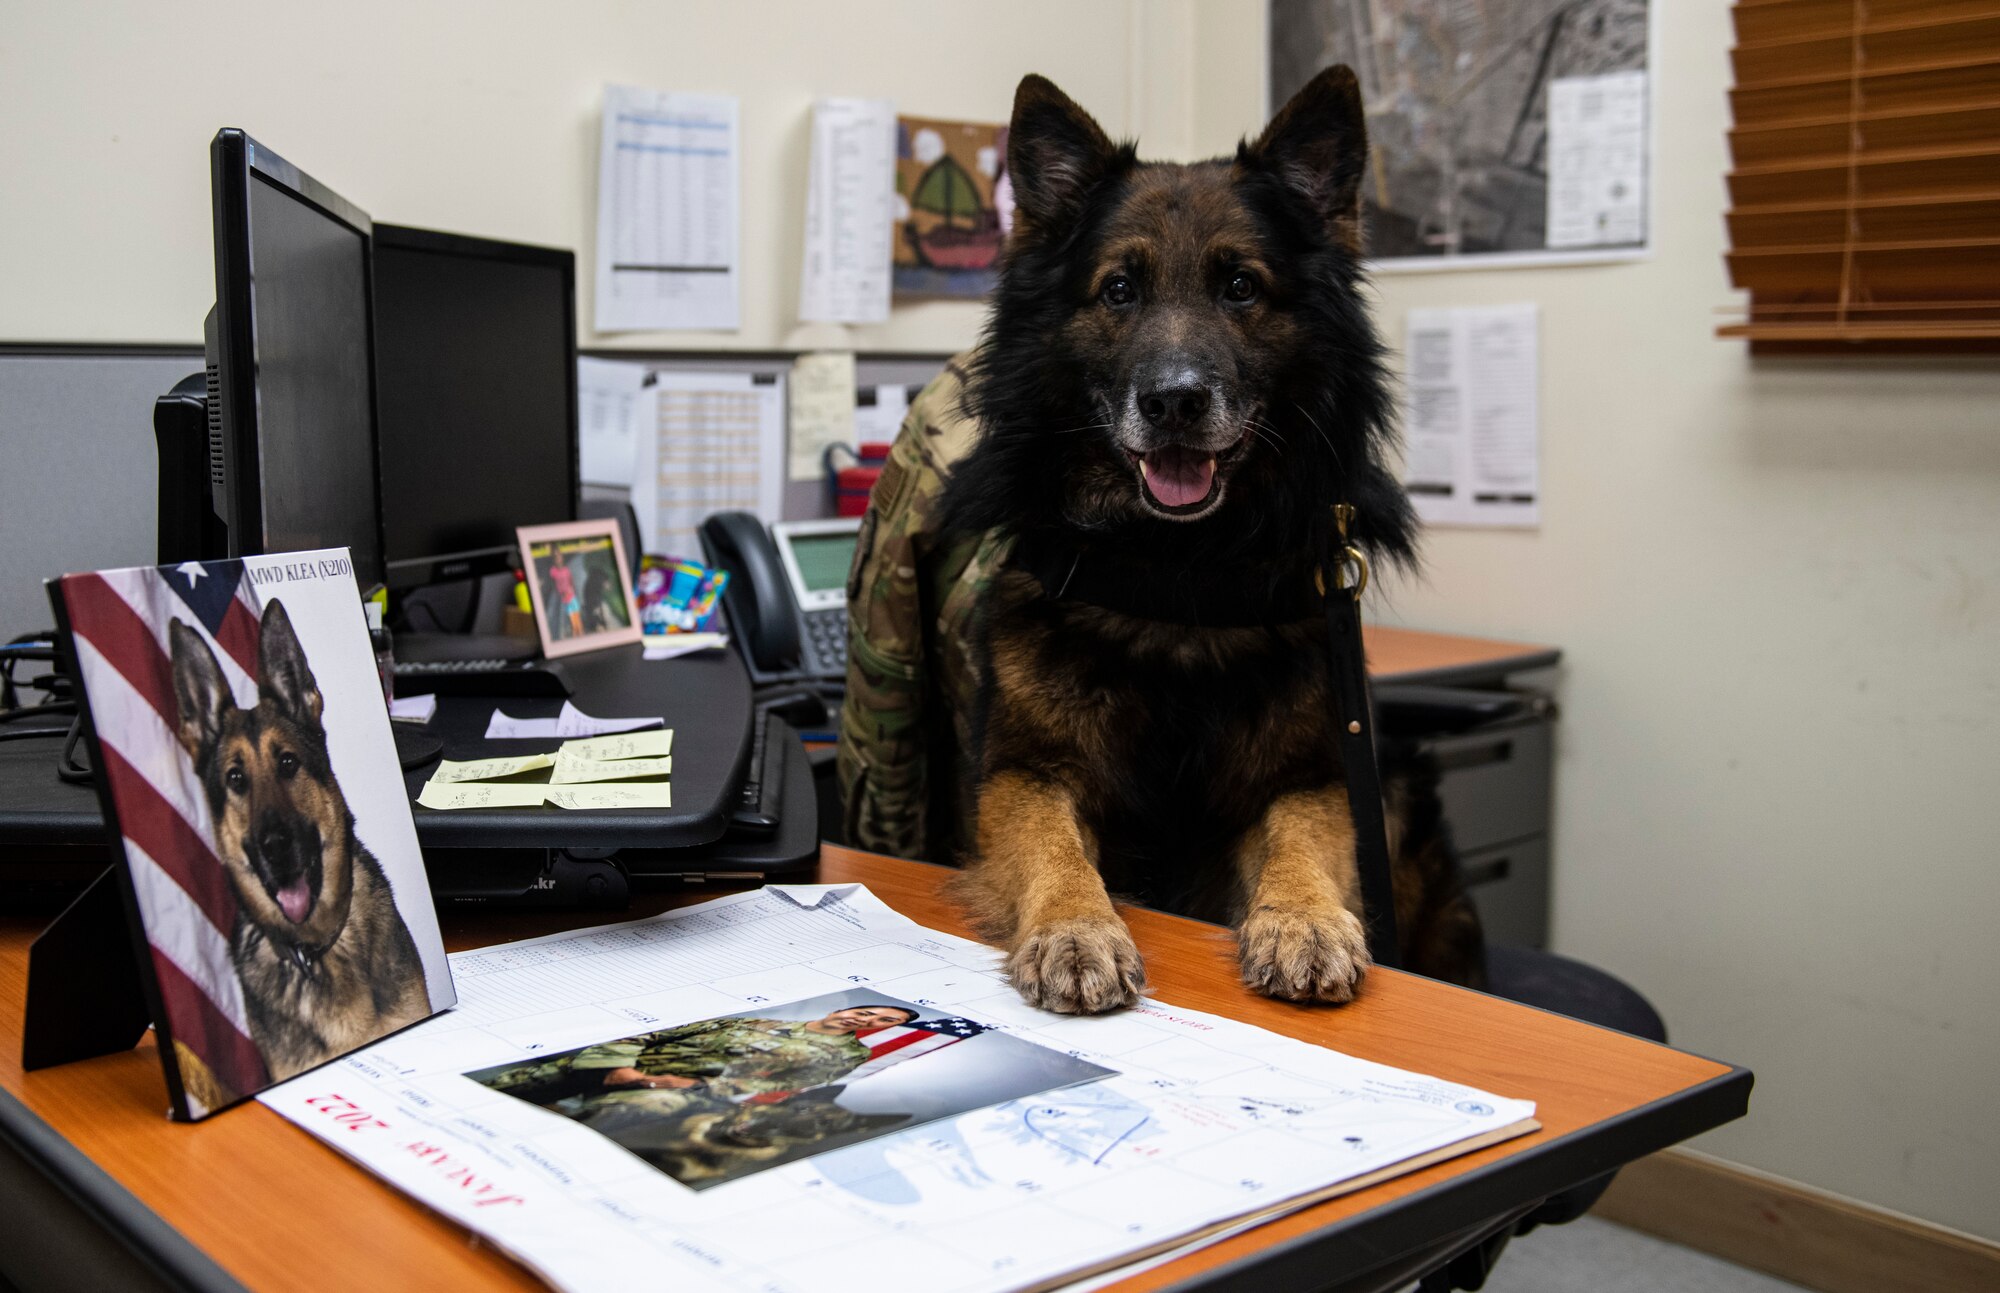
[677,595]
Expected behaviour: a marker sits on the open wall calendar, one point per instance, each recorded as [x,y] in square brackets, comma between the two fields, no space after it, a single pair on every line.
[1177,1126]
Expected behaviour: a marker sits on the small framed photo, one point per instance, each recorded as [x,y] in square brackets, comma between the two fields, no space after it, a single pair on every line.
[580,586]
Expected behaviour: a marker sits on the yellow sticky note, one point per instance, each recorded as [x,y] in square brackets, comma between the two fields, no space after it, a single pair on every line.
[449,795]
[656,744]
[652,794]
[490,769]
[571,771]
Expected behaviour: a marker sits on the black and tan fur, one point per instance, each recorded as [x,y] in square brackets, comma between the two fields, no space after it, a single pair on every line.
[1148,314]
[346,972]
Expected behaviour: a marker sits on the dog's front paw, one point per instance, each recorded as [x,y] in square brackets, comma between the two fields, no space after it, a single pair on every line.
[1078,967]
[1304,953]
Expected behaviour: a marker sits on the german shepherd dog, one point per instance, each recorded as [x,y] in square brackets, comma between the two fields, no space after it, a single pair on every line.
[325,960]
[1177,382]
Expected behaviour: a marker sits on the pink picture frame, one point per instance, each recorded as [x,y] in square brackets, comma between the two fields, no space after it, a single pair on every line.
[579,585]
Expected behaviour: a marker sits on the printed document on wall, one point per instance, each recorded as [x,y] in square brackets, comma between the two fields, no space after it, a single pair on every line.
[848,197]
[1472,427]
[667,218]
[822,410]
[713,442]
[1597,161]
[607,414]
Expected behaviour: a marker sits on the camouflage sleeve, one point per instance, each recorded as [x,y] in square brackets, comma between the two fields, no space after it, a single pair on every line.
[609,1055]
[883,764]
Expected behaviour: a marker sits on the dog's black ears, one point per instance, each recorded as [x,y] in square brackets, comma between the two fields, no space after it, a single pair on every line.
[201,693]
[1055,152]
[283,676]
[1318,145]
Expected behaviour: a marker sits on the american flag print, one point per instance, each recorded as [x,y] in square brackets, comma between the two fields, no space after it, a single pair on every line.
[118,623]
[897,1043]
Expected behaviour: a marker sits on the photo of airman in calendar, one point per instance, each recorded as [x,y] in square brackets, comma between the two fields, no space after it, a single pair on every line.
[717,1099]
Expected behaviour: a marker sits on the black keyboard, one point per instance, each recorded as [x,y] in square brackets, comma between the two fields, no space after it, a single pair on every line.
[826,641]
[432,668]
[492,677]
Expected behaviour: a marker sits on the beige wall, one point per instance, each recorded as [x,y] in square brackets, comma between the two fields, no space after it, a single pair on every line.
[1777,584]
[483,118]
[1777,587]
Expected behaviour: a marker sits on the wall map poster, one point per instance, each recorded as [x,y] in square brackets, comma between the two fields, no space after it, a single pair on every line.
[1512,131]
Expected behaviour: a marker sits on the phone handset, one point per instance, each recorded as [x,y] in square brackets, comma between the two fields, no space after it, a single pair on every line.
[758,598]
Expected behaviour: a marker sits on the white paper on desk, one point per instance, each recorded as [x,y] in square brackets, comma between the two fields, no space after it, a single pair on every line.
[1597,161]
[850,191]
[1472,426]
[413,709]
[665,646]
[571,722]
[821,410]
[667,218]
[1206,1121]
[709,442]
[607,414]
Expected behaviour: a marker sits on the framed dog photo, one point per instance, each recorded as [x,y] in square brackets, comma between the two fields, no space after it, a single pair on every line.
[580,585]
[245,764]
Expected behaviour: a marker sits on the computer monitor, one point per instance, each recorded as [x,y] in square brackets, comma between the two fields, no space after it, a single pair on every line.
[475,362]
[291,366]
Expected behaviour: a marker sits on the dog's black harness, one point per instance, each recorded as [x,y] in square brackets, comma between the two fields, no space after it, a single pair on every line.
[1071,573]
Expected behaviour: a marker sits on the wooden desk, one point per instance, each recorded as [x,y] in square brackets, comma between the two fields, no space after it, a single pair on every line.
[1419,656]
[275,1208]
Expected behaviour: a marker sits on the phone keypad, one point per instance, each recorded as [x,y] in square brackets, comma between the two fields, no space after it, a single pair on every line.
[826,634]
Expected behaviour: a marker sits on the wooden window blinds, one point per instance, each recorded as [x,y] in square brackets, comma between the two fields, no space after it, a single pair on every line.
[1864,194]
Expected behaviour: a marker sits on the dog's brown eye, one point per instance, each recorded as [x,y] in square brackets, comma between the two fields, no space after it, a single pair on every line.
[288,764]
[1241,288]
[1118,291]
[235,780]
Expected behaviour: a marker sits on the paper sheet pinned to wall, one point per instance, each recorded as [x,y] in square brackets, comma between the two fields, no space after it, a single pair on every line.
[607,408]
[849,194]
[822,410]
[1597,160]
[1472,430]
[879,412]
[668,224]
[711,442]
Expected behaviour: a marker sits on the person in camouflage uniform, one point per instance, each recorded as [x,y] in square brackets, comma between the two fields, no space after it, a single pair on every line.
[725,1058]
[905,726]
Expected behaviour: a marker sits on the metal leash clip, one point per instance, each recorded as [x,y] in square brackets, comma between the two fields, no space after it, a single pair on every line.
[1350,568]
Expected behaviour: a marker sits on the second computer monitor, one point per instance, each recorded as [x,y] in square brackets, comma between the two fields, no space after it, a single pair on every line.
[475,345]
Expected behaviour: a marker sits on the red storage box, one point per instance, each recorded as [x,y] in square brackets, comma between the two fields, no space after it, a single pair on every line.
[852,483]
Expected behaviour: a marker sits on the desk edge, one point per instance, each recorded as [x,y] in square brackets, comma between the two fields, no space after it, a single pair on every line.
[1480,671]
[116,1210]
[1379,1235]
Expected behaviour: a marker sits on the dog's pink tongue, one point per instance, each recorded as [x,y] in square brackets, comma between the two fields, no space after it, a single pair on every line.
[295,900]
[1178,477]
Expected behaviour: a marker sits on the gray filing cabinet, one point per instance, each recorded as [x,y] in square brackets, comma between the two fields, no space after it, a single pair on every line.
[1495,786]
